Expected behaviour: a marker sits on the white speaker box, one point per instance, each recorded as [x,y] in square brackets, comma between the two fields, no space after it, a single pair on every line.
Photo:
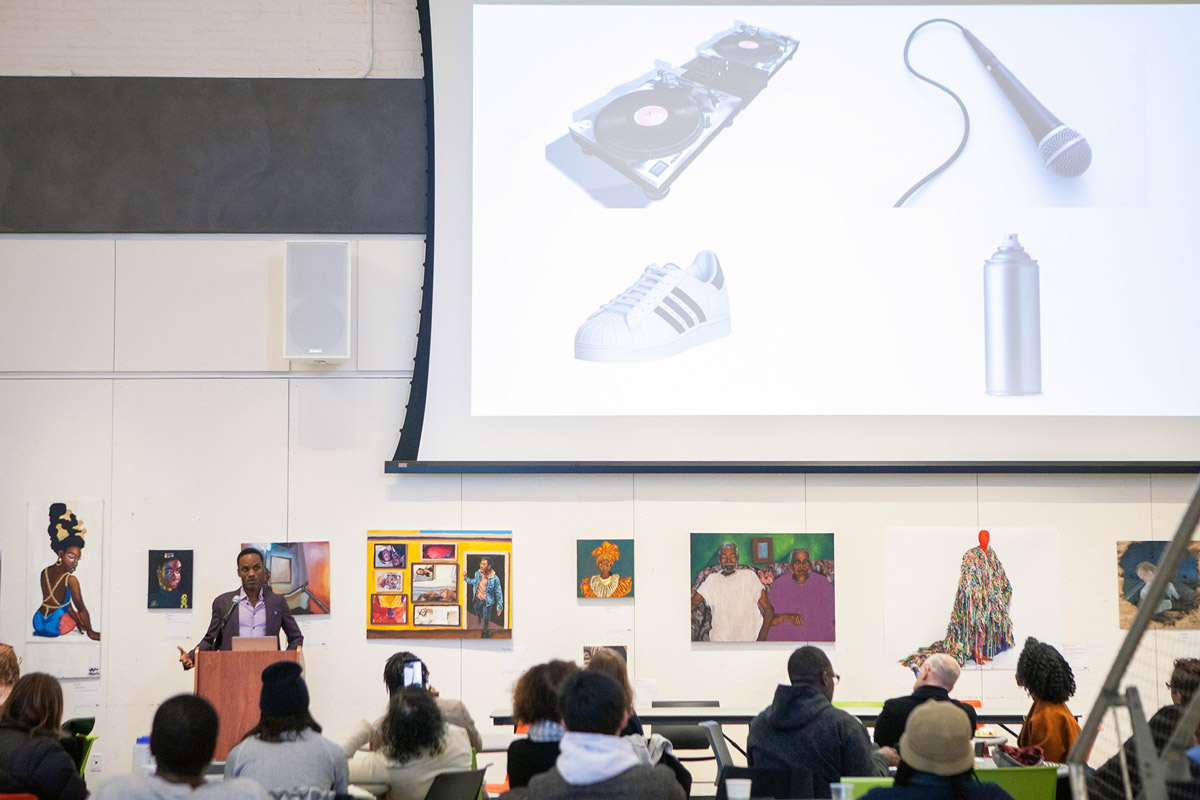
[316,288]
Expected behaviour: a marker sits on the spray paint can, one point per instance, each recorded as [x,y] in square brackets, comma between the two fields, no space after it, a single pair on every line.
[1012,321]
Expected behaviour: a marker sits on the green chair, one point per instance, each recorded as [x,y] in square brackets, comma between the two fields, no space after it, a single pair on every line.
[864,785]
[1027,783]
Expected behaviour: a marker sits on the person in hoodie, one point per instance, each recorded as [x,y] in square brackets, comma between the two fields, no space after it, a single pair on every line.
[802,730]
[593,761]
[182,740]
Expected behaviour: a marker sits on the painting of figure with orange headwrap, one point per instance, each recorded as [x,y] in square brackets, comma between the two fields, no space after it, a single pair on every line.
[61,610]
[605,567]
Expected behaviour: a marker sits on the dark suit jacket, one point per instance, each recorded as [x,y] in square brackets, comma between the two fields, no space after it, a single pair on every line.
[894,715]
[278,616]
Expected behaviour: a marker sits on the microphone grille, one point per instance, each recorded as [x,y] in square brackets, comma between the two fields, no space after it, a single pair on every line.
[1066,152]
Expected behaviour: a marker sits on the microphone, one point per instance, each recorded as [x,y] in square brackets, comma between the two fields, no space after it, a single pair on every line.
[1064,150]
[224,619]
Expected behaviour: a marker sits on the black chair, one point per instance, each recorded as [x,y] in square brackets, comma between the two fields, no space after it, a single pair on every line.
[686,736]
[764,782]
[461,785]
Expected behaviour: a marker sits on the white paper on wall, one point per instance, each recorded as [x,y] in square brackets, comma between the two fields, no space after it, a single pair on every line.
[922,574]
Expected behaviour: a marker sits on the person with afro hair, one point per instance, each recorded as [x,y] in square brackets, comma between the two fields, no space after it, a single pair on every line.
[1047,677]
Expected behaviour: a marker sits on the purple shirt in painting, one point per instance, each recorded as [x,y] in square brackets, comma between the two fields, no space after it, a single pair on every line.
[813,599]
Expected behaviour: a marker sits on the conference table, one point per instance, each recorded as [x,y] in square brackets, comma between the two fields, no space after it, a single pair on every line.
[740,715]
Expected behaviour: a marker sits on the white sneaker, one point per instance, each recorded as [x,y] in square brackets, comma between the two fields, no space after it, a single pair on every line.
[668,310]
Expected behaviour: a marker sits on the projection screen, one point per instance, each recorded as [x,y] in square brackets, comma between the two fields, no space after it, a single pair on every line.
[698,233]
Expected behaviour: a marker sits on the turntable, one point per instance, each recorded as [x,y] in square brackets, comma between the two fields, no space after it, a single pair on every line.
[741,60]
[651,128]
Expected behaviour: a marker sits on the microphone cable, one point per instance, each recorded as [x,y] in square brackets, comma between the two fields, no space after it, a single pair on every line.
[957,99]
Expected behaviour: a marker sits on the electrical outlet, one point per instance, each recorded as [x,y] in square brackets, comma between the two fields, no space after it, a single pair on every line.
[94,762]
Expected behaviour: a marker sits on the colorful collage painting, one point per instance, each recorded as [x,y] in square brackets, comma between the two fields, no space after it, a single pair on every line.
[763,587]
[439,585]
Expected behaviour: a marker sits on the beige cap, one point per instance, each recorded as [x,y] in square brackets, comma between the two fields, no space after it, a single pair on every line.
[937,739]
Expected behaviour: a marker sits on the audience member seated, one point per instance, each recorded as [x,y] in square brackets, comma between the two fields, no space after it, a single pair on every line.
[31,759]
[10,671]
[653,749]
[286,750]
[594,761]
[937,758]
[535,703]
[609,662]
[1185,677]
[182,740]
[417,745]
[935,679]
[1107,783]
[802,730]
[453,711]
[1047,677]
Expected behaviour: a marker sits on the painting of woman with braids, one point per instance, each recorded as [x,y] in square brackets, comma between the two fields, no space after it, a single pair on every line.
[62,609]
[980,626]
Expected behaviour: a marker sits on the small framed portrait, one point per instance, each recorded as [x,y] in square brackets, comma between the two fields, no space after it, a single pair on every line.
[762,550]
[389,581]
[391,556]
[389,609]
[170,579]
[439,552]
[437,616]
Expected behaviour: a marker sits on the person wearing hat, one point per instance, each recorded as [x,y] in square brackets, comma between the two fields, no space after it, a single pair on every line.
[286,750]
[937,758]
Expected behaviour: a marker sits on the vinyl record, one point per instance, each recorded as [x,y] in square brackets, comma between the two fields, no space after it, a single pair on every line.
[747,48]
[649,123]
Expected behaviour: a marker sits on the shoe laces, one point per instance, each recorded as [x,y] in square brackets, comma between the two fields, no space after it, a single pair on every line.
[629,299]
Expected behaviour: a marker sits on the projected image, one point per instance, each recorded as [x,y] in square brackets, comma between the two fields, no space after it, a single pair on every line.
[1136,570]
[845,305]
[666,311]
[787,599]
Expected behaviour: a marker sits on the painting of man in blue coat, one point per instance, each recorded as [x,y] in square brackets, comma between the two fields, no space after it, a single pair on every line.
[486,592]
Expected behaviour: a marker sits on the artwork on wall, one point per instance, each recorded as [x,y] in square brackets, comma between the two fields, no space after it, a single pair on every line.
[63,598]
[439,584]
[789,598]
[597,569]
[1137,567]
[169,579]
[619,649]
[978,593]
[300,572]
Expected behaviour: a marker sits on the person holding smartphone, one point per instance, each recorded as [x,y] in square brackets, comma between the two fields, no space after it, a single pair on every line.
[405,669]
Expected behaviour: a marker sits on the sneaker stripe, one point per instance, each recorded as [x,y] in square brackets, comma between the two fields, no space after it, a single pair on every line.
[685,317]
[692,304]
[673,322]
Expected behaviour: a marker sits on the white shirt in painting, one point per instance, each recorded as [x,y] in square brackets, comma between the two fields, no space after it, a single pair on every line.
[734,603]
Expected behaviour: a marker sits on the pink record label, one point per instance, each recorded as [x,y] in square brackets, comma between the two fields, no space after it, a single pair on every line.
[748,44]
[649,116]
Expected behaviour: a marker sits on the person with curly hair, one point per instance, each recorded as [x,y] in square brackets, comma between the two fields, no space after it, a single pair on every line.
[1047,677]
[32,761]
[62,609]
[286,750]
[1185,677]
[417,746]
[535,703]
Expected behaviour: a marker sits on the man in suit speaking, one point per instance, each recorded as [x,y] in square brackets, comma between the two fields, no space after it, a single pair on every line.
[253,610]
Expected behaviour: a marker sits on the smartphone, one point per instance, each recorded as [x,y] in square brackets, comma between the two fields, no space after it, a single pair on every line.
[414,674]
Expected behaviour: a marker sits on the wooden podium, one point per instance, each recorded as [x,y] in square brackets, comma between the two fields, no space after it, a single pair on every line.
[232,681]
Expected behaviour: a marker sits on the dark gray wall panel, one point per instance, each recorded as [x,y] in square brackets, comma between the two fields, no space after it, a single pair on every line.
[212,155]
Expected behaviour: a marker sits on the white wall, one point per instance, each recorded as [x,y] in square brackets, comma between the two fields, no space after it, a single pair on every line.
[146,372]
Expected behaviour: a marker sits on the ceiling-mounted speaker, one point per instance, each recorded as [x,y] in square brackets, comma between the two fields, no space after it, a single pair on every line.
[316,288]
